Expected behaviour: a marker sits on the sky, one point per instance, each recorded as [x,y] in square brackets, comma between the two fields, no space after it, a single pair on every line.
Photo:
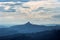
[33,11]
[14,0]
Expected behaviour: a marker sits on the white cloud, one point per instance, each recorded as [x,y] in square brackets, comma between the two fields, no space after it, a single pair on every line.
[7,7]
[23,15]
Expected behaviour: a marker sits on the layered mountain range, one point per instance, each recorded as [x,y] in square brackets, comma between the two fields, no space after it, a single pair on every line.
[26,28]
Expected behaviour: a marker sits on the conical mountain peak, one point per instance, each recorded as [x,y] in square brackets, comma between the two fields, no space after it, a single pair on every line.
[28,23]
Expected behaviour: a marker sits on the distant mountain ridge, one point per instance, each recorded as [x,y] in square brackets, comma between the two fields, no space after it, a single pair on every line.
[26,28]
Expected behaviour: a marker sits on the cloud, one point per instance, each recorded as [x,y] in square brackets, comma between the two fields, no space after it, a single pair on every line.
[13,19]
[56,17]
[36,12]
[14,0]
[6,8]
[42,11]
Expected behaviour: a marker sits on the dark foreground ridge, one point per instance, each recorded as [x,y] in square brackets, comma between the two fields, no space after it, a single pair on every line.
[30,31]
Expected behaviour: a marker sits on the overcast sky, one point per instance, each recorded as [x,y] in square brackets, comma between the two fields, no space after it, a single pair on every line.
[34,11]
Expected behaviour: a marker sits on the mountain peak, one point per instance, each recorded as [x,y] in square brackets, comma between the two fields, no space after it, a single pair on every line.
[28,23]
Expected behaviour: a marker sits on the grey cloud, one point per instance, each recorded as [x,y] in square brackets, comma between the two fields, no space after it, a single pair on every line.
[55,10]
[11,9]
[48,10]
[14,0]
[36,0]
[44,9]
[56,16]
